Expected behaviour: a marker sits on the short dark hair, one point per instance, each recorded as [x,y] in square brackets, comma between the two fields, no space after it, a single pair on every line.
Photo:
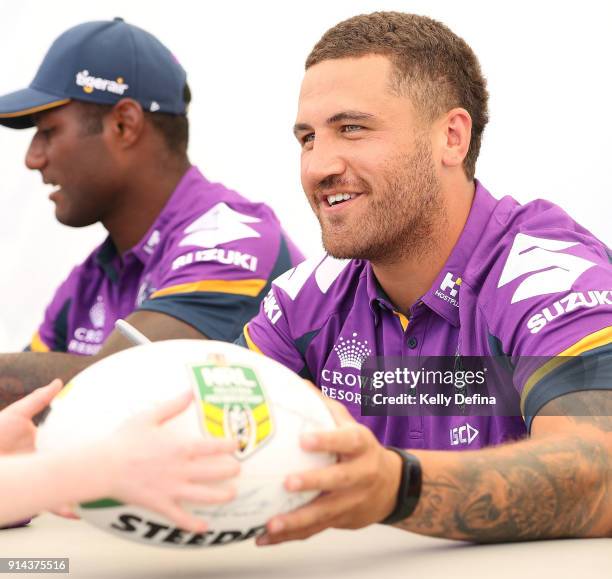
[173,128]
[434,66]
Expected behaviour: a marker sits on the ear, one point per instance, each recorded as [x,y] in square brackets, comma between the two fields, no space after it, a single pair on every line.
[456,133]
[126,122]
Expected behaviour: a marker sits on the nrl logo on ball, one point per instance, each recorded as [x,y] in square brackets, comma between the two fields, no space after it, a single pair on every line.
[233,404]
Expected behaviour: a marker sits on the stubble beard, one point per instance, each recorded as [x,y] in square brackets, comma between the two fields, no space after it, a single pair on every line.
[404,219]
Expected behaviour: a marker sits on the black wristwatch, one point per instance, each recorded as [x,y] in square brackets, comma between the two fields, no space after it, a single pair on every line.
[409,489]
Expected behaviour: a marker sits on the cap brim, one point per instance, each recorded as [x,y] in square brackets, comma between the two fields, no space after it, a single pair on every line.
[17,108]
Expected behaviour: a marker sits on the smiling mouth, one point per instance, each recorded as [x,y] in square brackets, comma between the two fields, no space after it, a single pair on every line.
[52,185]
[338,198]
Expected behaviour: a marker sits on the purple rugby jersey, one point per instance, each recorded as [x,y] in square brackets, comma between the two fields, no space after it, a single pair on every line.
[523,280]
[207,260]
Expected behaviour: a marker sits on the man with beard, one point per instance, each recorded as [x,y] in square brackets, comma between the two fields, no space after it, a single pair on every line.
[184,258]
[424,262]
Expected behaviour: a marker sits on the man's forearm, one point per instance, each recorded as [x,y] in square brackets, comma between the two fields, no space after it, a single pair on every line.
[549,487]
[24,372]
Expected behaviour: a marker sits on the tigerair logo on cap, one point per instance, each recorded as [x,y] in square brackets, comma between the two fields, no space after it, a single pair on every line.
[449,289]
[233,404]
[91,83]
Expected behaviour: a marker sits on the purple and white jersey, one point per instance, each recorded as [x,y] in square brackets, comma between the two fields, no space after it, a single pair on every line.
[207,260]
[522,280]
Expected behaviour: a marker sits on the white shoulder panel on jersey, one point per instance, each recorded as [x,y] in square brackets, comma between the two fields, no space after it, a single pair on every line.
[552,270]
[219,225]
[327,271]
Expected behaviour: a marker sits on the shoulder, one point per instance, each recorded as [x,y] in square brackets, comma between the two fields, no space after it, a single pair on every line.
[214,225]
[540,281]
[319,293]
[309,294]
[530,250]
[212,213]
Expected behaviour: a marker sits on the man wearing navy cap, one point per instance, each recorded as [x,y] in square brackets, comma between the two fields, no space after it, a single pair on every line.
[184,258]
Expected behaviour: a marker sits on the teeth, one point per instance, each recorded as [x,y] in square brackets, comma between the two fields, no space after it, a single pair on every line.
[333,199]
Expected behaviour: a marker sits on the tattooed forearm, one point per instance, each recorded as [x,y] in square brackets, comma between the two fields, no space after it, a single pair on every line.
[592,407]
[541,488]
[23,373]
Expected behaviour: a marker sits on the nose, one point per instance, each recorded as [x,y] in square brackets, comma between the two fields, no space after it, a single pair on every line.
[322,161]
[36,157]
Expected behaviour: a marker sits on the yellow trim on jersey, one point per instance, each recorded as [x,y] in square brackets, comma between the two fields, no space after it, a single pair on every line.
[403,320]
[590,342]
[37,345]
[34,109]
[251,345]
[241,287]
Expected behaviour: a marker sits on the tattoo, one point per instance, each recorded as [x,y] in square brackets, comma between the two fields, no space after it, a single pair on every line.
[585,407]
[534,489]
[24,372]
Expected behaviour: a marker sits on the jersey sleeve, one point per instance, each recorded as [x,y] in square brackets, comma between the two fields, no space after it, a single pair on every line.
[268,333]
[550,310]
[218,289]
[52,334]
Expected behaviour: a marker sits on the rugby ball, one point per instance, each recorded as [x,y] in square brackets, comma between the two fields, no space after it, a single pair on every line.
[238,394]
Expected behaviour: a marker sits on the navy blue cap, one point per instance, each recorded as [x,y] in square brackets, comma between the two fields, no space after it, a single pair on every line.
[101,62]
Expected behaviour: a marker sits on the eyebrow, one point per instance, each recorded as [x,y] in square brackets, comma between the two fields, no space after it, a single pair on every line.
[338,117]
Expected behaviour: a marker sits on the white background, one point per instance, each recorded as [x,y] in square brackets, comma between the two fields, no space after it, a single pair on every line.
[547,64]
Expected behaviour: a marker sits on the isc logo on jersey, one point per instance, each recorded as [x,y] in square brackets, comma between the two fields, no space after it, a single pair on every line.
[463,435]
[550,270]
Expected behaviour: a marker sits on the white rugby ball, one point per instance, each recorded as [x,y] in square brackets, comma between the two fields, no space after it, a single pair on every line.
[238,394]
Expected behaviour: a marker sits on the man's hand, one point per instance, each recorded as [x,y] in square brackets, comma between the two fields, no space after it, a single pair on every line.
[17,430]
[360,489]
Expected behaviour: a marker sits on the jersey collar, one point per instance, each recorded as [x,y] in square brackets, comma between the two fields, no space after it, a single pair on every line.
[188,188]
[376,295]
[182,198]
[444,295]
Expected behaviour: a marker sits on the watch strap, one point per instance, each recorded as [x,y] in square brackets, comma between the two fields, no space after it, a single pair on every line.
[409,490]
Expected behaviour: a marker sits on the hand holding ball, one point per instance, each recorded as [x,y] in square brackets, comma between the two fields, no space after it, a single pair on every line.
[238,395]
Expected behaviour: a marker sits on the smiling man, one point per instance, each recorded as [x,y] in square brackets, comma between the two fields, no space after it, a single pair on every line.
[424,262]
[184,257]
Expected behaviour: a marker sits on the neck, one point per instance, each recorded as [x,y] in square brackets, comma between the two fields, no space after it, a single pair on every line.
[142,200]
[407,279]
